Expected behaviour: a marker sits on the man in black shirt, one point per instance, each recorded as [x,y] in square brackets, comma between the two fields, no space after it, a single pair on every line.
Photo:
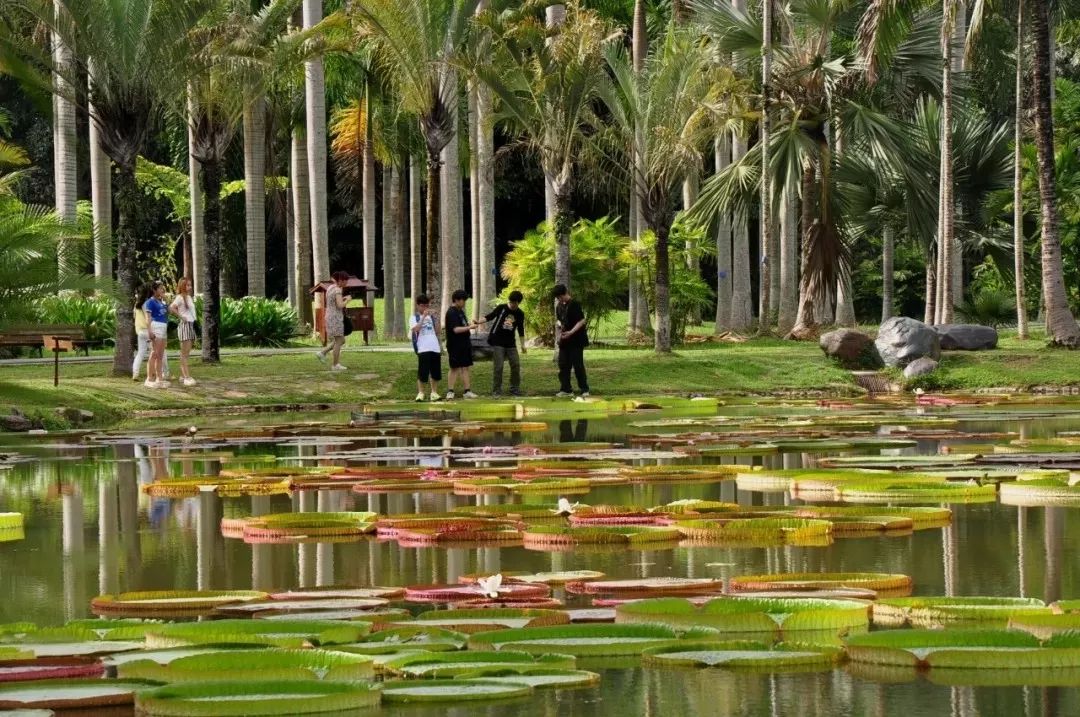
[570,333]
[459,344]
[509,323]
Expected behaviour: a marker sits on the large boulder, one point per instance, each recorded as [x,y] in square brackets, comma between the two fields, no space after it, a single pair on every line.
[967,337]
[901,340]
[920,367]
[853,349]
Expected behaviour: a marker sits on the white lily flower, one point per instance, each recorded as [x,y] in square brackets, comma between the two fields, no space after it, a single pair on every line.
[565,507]
[490,586]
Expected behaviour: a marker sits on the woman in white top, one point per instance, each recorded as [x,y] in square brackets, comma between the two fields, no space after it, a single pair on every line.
[183,306]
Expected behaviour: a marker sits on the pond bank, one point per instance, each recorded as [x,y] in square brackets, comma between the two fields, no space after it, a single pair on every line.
[760,367]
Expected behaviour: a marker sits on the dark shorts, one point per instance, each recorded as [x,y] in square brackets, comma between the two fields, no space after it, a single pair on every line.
[429,366]
[460,356]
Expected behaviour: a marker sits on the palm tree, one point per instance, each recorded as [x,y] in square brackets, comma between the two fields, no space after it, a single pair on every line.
[418,39]
[64,137]
[671,109]
[1018,194]
[254,122]
[315,132]
[547,86]
[484,151]
[140,53]
[101,201]
[1061,326]
[766,180]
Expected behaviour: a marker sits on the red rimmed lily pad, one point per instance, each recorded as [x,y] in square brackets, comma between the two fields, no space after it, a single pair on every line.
[342,592]
[457,593]
[524,603]
[647,587]
[50,668]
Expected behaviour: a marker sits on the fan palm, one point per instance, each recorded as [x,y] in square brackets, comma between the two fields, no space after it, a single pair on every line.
[140,54]
[418,39]
[669,113]
[546,84]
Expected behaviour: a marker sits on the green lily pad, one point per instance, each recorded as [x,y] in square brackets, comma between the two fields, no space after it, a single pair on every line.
[70,694]
[747,655]
[589,639]
[404,691]
[255,666]
[226,699]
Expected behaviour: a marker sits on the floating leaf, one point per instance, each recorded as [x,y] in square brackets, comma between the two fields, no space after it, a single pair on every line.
[891,583]
[69,694]
[170,603]
[405,691]
[544,535]
[283,633]
[594,639]
[254,666]
[755,656]
[49,668]
[223,699]
[984,649]
[942,611]
[749,614]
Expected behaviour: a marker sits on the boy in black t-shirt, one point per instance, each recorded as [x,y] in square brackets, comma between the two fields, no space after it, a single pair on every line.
[570,330]
[459,345]
[509,323]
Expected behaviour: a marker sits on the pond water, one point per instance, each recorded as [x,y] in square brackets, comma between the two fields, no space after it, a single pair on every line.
[90,529]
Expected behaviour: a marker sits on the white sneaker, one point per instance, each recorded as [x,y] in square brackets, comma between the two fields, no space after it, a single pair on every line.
[134,377]
[469,394]
[189,381]
[150,384]
[162,384]
[338,367]
[563,394]
[449,395]
[585,395]
[321,356]
[420,397]
[434,397]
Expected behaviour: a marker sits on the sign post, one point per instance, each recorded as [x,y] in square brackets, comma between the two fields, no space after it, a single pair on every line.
[56,344]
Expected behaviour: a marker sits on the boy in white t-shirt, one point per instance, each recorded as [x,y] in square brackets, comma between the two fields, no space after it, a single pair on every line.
[424,327]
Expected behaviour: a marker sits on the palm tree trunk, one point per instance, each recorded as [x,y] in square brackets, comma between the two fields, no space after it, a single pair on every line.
[195,194]
[255,195]
[1061,326]
[554,16]
[789,270]
[959,64]
[391,304]
[845,309]
[691,187]
[562,225]
[128,204]
[100,195]
[290,245]
[434,272]
[369,191]
[474,204]
[315,105]
[722,149]
[930,313]
[211,330]
[485,186]
[806,318]
[64,148]
[662,338]
[416,274]
[741,306]
[1018,177]
[888,258]
[946,219]
[453,246]
[639,310]
[301,237]
[397,211]
[765,279]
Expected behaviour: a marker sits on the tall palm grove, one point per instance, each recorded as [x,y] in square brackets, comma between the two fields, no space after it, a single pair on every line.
[745,166]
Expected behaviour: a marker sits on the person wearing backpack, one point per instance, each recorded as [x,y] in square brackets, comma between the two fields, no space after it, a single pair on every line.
[507,323]
[424,328]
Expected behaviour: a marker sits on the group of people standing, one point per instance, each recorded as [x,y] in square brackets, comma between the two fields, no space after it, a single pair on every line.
[507,326]
[151,314]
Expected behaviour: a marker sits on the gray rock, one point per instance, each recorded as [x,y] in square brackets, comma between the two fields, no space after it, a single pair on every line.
[853,349]
[901,340]
[967,337]
[15,422]
[920,367]
[75,416]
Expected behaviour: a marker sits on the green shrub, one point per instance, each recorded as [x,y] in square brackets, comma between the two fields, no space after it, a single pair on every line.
[253,321]
[989,306]
[690,294]
[95,314]
[597,272]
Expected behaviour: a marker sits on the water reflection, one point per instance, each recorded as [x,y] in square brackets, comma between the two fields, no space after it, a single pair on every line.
[143,543]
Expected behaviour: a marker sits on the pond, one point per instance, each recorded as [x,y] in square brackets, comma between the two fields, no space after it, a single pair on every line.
[93,528]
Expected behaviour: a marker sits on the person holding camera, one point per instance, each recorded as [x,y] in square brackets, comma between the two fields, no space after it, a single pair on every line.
[424,327]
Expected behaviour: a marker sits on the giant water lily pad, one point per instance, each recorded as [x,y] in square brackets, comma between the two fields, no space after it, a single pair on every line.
[170,603]
[983,649]
[225,699]
[254,666]
[49,668]
[404,691]
[553,578]
[764,531]
[592,640]
[81,648]
[900,492]
[943,611]
[295,606]
[479,619]
[451,593]
[1040,492]
[453,664]
[542,536]
[284,633]
[749,614]
[534,676]
[882,583]
[647,587]
[69,694]
[757,656]
[396,639]
[343,592]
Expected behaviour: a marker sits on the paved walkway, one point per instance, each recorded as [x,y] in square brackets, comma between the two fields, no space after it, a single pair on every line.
[249,351]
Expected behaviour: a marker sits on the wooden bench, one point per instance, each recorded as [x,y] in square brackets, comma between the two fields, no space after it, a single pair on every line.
[31,336]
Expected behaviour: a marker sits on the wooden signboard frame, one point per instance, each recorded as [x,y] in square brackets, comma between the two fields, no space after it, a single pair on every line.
[57,344]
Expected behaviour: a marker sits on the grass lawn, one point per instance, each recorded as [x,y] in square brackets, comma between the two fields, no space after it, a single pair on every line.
[759,366]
